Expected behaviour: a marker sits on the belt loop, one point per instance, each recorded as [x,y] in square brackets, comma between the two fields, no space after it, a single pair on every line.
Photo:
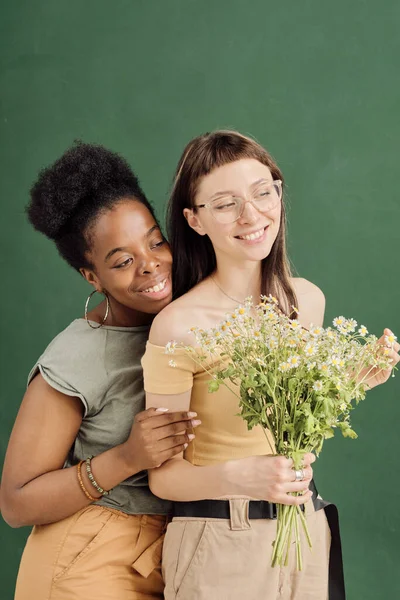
[143,521]
[239,514]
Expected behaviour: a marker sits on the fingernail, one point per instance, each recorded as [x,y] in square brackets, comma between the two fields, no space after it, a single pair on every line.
[192,414]
[185,446]
[162,409]
[196,422]
[191,436]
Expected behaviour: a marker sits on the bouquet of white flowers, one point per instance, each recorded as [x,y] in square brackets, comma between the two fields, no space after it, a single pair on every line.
[298,384]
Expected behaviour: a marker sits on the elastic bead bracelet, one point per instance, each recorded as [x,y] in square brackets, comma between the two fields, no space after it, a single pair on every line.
[92,480]
[84,490]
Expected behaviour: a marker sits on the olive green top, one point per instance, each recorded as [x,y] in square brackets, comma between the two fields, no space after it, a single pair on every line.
[102,368]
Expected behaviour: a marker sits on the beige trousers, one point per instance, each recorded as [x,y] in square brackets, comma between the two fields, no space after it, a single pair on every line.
[97,554]
[220,559]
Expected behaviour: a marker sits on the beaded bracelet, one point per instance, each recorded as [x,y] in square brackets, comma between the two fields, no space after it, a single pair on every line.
[92,479]
[84,490]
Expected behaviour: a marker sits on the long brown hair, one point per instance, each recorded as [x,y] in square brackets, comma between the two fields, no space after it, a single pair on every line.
[194,256]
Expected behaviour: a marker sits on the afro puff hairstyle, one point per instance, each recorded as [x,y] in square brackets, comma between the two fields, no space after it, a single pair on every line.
[70,194]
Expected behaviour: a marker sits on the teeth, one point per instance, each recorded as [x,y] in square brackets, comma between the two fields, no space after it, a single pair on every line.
[252,236]
[157,288]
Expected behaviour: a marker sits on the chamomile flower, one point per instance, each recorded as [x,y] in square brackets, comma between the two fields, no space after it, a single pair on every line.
[311,366]
[318,385]
[272,343]
[291,342]
[316,331]
[296,310]
[170,347]
[172,363]
[390,340]
[293,361]
[271,316]
[351,325]
[283,367]
[363,330]
[334,361]
[339,322]
[295,324]
[324,368]
[310,349]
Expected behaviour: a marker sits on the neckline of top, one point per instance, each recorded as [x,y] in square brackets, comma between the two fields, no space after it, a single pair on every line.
[114,327]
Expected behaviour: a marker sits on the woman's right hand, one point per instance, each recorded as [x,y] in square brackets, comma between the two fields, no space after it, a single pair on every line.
[157,436]
[272,478]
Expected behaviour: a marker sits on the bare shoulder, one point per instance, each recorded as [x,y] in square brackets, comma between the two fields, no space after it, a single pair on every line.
[311,301]
[303,287]
[173,323]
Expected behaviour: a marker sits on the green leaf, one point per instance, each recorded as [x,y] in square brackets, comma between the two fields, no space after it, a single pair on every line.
[213,386]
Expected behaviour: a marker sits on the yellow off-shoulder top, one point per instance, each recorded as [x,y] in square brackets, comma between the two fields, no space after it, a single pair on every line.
[223,434]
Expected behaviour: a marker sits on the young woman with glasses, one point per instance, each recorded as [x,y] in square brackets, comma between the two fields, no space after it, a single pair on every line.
[226,225]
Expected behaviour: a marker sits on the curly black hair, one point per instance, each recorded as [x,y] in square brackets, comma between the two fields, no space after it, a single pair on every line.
[70,194]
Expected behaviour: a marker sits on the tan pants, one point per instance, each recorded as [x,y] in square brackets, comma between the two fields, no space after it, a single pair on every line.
[97,554]
[219,559]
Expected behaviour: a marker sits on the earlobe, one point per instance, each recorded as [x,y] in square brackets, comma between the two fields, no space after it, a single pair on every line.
[193,221]
[91,278]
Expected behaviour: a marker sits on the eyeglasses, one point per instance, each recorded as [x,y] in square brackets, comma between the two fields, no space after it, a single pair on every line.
[229,209]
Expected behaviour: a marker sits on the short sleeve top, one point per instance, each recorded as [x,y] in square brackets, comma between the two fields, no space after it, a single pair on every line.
[102,368]
[223,434]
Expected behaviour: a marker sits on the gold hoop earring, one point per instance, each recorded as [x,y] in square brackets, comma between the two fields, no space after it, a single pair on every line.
[105,316]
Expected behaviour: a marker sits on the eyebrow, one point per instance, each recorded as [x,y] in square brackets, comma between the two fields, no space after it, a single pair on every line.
[124,248]
[229,192]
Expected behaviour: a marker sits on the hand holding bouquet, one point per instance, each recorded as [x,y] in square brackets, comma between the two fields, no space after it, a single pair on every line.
[299,385]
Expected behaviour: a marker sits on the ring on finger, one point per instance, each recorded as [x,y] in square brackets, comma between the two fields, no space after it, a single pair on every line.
[299,475]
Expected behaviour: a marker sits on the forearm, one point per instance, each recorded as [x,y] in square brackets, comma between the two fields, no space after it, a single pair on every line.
[57,494]
[181,481]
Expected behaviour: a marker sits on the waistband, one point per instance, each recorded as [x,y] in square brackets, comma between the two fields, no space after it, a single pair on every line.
[221,509]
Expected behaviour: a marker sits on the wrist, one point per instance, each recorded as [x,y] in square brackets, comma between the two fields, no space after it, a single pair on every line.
[127,463]
[230,479]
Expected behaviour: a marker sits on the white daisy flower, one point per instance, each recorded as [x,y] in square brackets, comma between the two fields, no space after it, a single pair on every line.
[335,361]
[316,331]
[295,324]
[339,322]
[284,366]
[324,368]
[293,361]
[318,385]
[170,347]
[311,365]
[363,330]
[310,349]
[351,325]
[172,363]
[390,340]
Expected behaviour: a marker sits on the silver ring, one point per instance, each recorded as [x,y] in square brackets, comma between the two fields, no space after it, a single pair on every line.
[299,474]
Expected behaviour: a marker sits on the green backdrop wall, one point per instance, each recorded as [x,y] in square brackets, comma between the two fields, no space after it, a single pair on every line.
[318,84]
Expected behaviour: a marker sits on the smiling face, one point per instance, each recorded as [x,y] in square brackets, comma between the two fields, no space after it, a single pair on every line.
[253,234]
[131,260]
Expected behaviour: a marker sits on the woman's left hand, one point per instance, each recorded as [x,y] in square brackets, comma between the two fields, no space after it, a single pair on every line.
[376,375]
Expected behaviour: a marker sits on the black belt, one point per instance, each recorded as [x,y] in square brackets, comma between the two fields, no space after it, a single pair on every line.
[220,509]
